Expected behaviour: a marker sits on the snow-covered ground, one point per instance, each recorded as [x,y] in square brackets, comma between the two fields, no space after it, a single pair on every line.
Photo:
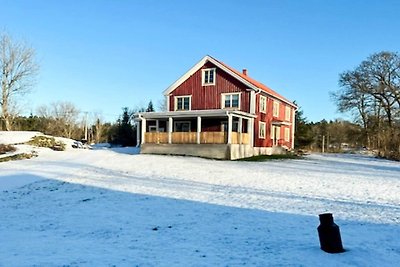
[107,207]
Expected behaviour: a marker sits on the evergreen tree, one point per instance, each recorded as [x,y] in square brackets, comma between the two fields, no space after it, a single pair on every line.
[303,132]
[150,107]
[124,134]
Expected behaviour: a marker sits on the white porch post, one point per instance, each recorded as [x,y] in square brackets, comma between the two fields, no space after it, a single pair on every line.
[143,130]
[240,129]
[138,133]
[229,129]
[250,130]
[157,125]
[170,130]
[198,129]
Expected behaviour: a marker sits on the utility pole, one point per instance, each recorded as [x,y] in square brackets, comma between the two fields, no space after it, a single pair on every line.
[323,144]
[86,126]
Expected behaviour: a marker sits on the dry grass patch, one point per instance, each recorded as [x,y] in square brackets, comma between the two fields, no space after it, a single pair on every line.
[6,148]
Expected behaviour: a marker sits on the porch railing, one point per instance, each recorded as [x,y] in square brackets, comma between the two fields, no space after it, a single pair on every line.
[156,138]
[184,138]
[191,138]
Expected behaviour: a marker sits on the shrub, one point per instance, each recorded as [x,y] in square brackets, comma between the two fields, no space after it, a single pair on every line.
[50,142]
[18,157]
[6,148]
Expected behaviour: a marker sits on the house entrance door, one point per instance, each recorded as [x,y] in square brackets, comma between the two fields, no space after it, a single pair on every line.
[276,134]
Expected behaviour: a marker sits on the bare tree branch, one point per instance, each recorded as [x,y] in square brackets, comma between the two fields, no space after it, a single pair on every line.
[18,71]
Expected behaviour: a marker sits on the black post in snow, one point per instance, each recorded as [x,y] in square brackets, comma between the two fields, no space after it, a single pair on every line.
[329,234]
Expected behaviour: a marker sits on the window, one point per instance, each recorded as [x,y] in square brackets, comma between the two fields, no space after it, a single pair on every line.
[152,129]
[287,134]
[208,77]
[230,100]
[261,130]
[183,102]
[276,109]
[263,104]
[182,126]
[287,113]
[235,126]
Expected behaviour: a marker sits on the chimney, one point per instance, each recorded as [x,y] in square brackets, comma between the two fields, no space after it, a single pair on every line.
[245,72]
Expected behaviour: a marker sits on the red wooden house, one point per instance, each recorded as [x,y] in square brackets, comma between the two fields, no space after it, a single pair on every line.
[216,111]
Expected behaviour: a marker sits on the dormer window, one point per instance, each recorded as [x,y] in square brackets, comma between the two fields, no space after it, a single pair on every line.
[208,77]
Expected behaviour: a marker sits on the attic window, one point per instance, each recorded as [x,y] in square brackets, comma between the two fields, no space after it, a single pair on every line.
[208,77]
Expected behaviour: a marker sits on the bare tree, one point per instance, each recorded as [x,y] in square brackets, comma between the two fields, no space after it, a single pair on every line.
[18,71]
[373,91]
[63,118]
[98,126]
[162,104]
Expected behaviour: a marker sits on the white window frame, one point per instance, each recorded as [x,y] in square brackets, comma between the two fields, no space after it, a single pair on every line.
[275,109]
[189,122]
[263,104]
[224,95]
[182,96]
[152,128]
[261,130]
[203,76]
[287,134]
[287,113]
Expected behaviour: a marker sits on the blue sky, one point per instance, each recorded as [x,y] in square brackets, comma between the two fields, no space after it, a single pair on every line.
[105,55]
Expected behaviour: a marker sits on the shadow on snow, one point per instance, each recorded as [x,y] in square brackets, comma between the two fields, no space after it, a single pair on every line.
[51,222]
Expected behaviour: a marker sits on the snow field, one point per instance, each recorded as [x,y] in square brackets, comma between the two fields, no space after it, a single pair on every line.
[105,207]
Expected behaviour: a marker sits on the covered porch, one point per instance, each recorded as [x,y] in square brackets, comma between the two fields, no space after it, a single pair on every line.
[201,127]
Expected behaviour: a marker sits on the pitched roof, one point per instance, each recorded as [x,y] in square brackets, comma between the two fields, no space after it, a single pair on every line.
[257,84]
[253,84]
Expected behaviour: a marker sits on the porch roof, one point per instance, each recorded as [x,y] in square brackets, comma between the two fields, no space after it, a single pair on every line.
[193,114]
[279,122]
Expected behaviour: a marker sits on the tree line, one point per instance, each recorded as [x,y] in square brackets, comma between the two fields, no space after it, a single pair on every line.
[66,120]
[327,136]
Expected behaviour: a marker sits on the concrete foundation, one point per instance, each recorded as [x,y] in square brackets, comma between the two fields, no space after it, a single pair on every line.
[215,151]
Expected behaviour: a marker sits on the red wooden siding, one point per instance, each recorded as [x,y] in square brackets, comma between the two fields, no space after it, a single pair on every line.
[209,97]
[268,118]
